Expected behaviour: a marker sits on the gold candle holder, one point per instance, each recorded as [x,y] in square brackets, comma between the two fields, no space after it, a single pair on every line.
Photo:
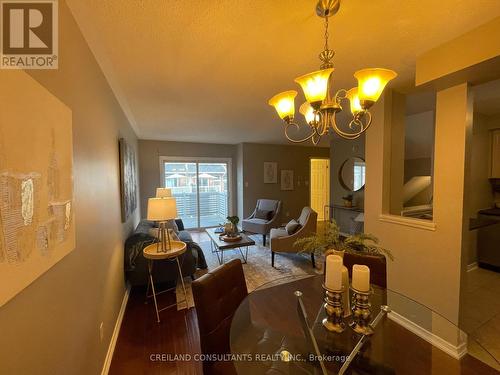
[334,310]
[361,312]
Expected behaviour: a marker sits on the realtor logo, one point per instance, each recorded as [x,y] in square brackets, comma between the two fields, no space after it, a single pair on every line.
[29,37]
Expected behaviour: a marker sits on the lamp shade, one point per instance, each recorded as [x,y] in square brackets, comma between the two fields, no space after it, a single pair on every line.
[315,86]
[353,97]
[162,209]
[163,193]
[371,83]
[308,112]
[284,103]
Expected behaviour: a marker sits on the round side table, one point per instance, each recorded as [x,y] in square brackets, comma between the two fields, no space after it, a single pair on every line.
[151,253]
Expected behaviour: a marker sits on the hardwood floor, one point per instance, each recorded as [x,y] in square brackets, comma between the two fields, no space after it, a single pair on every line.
[144,346]
[142,341]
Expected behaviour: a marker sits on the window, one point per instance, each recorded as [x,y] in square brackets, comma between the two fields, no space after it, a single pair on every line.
[201,188]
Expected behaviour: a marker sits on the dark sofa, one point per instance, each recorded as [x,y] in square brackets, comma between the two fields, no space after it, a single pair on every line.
[164,271]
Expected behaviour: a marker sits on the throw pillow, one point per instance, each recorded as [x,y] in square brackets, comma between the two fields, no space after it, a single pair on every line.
[292,226]
[264,214]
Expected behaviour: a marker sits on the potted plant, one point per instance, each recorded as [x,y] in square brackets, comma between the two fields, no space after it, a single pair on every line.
[231,227]
[325,242]
[359,248]
[348,200]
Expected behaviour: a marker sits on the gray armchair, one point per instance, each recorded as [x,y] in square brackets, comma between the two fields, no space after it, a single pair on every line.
[282,242]
[263,218]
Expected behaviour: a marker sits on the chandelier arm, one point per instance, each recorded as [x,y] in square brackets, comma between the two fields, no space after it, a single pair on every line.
[322,127]
[356,121]
[297,126]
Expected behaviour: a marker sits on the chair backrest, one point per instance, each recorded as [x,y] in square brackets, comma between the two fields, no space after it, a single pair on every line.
[308,219]
[269,205]
[217,295]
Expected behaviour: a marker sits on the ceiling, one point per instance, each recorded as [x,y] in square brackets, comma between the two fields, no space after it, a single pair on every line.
[203,71]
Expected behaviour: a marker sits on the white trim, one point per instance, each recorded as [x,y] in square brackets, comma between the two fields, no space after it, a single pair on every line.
[456,352]
[472,267]
[116,332]
[203,159]
[409,222]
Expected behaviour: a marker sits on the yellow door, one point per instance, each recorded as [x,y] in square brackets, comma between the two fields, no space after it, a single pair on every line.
[320,186]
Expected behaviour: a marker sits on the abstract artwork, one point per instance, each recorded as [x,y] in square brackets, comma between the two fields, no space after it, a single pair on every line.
[128,179]
[270,172]
[286,179]
[37,226]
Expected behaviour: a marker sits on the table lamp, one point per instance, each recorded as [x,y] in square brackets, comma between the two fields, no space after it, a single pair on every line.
[163,193]
[161,210]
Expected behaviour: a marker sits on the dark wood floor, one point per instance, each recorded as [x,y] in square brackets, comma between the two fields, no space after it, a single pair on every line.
[142,341]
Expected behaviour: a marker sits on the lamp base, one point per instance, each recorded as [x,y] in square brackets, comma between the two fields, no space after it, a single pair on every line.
[327,8]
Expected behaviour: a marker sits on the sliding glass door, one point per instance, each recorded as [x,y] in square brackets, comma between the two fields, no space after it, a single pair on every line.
[201,188]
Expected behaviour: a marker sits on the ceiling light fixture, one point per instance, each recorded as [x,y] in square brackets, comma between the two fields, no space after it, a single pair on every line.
[320,109]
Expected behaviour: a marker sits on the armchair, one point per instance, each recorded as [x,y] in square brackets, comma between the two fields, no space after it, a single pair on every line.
[282,242]
[260,225]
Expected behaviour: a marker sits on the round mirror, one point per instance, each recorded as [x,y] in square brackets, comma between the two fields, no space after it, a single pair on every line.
[352,174]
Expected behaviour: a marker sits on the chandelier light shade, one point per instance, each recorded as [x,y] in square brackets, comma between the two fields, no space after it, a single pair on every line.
[315,86]
[308,112]
[371,84]
[284,103]
[353,97]
[322,103]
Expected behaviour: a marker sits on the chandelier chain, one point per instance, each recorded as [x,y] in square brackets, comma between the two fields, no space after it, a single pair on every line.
[327,35]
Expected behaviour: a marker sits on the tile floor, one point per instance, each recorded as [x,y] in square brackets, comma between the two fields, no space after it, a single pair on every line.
[480,317]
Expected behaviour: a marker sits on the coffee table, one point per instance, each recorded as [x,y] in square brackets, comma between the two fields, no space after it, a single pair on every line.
[219,246]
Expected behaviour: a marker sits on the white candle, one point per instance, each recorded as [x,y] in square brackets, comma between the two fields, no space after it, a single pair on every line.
[345,296]
[361,278]
[345,279]
[333,278]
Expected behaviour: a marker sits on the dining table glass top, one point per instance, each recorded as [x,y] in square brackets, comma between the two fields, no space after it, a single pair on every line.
[268,335]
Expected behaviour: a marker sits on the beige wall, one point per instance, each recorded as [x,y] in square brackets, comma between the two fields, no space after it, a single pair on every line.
[149,163]
[428,255]
[287,157]
[472,48]
[52,327]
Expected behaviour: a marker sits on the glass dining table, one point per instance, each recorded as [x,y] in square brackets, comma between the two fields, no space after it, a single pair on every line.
[278,329]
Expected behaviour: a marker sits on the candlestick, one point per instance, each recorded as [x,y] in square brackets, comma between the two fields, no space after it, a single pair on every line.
[333,277]
[345,288]
[334,310]
[361,278]
[361,312]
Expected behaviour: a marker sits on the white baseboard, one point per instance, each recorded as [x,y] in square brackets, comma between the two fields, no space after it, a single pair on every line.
[472,267]
[456,352]
[116,332]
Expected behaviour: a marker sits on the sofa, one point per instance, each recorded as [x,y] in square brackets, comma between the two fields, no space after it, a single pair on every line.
[164,271]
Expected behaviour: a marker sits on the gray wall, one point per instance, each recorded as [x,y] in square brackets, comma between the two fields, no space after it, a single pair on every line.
[52,326]
[287,157]
[340,150]
[248,171]
[149,163]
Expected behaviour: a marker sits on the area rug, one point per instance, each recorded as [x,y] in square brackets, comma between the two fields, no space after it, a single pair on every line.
[258,271]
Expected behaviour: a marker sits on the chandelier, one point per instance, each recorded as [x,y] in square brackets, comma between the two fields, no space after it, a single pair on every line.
[320,109]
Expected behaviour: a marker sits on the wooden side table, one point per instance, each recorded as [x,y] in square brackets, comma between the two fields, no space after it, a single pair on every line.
[151,253]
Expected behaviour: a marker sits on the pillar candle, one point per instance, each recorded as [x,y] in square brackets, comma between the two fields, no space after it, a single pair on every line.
[345,278]
[361,278]
[333,278]
[345,296]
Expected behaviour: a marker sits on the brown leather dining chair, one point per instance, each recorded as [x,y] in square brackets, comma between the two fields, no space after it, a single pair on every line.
[217,296]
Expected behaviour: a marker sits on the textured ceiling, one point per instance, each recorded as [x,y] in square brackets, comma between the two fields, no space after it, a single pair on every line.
[203,70]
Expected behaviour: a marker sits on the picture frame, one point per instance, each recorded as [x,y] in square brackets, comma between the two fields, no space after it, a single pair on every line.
[128,179]
[270,172]
[287,179]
